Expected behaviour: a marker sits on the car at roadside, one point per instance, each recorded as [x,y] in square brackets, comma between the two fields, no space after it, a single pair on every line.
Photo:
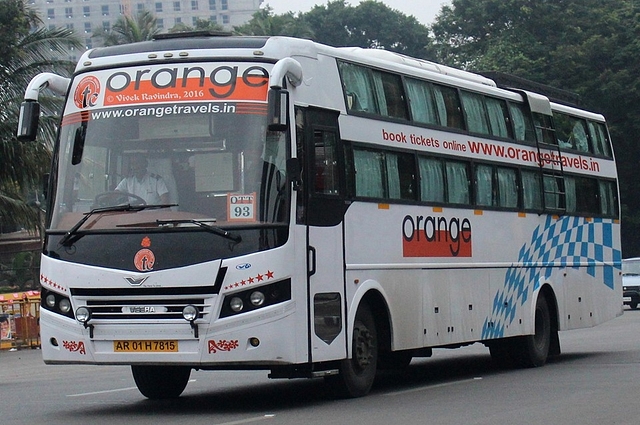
[631,282]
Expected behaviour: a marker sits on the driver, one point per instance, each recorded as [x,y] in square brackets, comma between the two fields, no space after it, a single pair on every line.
[149,187]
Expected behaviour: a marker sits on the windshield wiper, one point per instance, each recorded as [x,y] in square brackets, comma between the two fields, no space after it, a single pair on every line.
[72,234]
[203,224]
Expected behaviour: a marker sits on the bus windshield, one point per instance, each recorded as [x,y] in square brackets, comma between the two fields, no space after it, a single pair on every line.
[197,161]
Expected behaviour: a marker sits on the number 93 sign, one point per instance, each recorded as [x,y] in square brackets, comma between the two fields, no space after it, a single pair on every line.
[241,207]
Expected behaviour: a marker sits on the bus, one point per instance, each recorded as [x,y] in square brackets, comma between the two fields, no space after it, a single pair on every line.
[318,212]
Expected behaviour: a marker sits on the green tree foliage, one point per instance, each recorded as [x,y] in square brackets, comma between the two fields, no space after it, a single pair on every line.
[264,22]
[25,51]
[128,29]
[590,47]
[371,24]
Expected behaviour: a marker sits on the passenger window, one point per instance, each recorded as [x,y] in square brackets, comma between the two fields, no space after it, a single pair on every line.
[484,186]
[498,117]
[431,179]
[608,199]
[400,176]
[571,133]
[388,88]
[368,168]
[531,190]
[507,188]
[474,112]
[358,88]
[587,194]
[598,134]
[457,182]
[522,124]
[421,102]
[448,104]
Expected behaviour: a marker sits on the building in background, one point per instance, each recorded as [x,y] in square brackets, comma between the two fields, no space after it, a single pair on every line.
[84,16]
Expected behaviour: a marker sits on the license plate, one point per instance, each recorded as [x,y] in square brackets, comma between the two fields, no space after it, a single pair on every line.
[626,299]
[145,346]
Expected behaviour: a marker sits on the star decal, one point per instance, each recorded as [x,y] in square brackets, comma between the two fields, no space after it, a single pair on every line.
[268,275]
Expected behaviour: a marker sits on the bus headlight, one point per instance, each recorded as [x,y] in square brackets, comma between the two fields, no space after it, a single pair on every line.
[55,303]
[257,298]
[236,304]
[65,305]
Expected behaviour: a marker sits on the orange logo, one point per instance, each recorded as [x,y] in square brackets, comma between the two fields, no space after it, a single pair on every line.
[144,260]
[436,237]
[87,92]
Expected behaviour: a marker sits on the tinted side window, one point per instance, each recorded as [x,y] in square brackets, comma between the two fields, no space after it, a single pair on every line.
[474,112]
[421,103]
[358,88]
[457,182]
[571,132]
[531,190]
[432,187]
[448,104]
[522,124]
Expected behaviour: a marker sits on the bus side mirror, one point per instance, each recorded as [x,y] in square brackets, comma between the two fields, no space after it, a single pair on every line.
[278,107]
[28,121]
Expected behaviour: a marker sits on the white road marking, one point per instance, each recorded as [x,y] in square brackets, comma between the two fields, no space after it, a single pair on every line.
[428,387]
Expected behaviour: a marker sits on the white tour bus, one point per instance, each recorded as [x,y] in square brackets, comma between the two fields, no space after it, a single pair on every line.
[315,212]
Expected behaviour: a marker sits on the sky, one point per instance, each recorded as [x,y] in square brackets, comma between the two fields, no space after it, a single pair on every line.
[423,10]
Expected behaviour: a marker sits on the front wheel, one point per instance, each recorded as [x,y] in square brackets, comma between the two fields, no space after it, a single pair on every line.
[358,373]
[161,382]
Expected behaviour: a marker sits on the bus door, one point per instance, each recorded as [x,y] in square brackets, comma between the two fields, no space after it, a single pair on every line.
[321,206]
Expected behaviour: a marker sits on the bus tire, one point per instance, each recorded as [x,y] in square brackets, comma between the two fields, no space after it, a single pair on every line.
[161,382]
[358,373]
[526,351]
[535,348]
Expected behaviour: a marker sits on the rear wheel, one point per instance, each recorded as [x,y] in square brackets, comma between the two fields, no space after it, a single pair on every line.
[358,373]
[535,348]
[529,350]
[161,382]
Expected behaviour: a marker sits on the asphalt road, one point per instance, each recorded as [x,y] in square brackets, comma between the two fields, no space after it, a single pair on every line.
[595,381]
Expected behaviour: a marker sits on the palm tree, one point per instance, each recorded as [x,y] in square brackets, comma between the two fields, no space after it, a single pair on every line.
[129,30]
[23,54]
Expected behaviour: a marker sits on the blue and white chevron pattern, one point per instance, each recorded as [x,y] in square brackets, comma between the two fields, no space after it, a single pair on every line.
[559,243]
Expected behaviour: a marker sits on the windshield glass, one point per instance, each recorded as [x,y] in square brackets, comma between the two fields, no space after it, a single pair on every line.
[190,137]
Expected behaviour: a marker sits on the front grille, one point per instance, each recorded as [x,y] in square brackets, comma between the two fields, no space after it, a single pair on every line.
[147,308]
[144,303]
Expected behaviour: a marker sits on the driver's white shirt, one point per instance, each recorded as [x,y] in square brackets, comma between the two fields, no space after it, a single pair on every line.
[149,188]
